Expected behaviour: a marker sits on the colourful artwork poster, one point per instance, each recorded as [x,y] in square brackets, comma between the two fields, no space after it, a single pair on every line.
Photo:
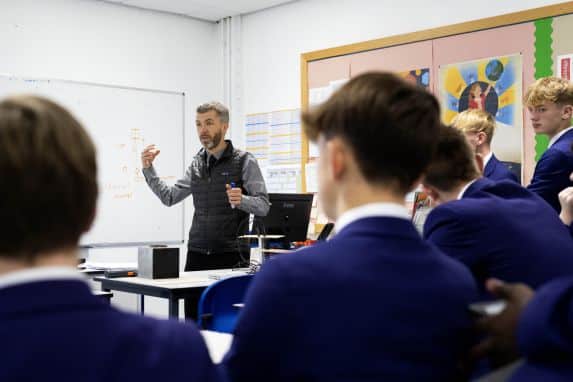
[492,84]
[420,77]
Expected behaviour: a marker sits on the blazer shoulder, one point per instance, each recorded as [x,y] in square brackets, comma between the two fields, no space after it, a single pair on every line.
[160,346]
[449,213]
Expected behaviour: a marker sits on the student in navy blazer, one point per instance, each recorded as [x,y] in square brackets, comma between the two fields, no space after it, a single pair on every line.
[478,126]
[550,105]
[375,302]
[536,326]
[51,326]
[497,171]
[497,229]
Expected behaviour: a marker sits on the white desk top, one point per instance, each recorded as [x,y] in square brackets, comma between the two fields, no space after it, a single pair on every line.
[186,279]
[261,236]
[217,343]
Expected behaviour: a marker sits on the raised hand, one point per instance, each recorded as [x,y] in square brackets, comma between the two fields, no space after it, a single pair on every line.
[148,155]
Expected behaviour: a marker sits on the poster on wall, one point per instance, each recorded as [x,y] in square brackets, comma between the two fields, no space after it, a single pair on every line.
[420,77]
[493,84]
[564,66]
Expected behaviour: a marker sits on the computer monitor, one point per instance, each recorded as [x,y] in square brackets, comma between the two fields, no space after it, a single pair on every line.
[289,215]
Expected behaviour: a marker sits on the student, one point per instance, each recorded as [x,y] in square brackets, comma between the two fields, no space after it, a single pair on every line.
[51,326]
[478,127]
[374,302]
[497,229]
[536,326]
[550,104]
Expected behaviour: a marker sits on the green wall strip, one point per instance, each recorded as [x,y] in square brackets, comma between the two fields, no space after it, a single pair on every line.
[543,67]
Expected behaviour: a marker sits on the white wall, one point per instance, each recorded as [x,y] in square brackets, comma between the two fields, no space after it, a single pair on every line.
[99,42]
[273,39]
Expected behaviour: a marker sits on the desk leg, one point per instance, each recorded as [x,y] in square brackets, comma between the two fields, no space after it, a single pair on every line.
[174,308]
[141,304]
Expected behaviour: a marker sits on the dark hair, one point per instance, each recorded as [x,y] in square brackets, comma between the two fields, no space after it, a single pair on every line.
[453,162]
[48,167]
[390,125]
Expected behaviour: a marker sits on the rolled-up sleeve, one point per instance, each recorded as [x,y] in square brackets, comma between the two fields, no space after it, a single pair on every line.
[256,201]
[169,195]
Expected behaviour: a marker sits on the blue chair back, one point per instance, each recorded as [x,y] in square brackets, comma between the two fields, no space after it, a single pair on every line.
[216,310]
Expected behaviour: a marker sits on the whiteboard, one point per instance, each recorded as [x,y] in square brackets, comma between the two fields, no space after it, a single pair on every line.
[121,121]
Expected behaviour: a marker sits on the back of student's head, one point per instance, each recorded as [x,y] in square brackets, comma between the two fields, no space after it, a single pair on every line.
[549,89]
[453,162]
[475,121]
[389,124]
[48,171]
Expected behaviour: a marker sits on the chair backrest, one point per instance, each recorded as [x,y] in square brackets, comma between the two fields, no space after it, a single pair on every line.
[217,306]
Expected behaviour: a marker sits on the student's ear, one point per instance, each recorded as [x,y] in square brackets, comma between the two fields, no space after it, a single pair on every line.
[338,158]
[567,112]
[479,162]
[481,138]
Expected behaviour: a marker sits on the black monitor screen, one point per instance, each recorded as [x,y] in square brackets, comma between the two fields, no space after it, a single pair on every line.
[289,215]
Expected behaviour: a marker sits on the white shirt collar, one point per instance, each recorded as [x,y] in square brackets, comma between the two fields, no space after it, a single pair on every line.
[372,210]
[463,191]
[558,135]
[487,158]
[40,274]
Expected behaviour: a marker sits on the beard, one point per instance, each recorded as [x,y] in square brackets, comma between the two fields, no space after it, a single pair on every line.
[213,142]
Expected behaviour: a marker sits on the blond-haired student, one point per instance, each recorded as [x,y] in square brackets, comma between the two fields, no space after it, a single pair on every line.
[478,126]
[550,104]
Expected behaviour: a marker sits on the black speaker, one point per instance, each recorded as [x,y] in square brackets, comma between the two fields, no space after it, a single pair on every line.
[158,262]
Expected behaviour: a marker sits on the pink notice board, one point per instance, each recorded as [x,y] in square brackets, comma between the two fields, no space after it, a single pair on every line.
[399,58]
[431,54]
[321,72]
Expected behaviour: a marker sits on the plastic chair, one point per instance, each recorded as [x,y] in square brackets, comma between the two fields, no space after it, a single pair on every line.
[218,310]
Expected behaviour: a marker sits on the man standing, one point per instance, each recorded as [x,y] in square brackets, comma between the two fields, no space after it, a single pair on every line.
[478,127]
[227,186]
[550,104]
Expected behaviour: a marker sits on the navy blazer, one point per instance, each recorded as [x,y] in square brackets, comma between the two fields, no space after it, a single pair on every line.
[59,331]
[545,334]
[497,171]
[502,230]
[553,169]
[375,303]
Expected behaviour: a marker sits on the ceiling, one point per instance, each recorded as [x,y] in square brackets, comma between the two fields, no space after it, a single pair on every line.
[211,10]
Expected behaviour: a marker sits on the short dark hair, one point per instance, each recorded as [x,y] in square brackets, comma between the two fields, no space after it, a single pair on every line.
[390,124]
[48,164]
[453,161]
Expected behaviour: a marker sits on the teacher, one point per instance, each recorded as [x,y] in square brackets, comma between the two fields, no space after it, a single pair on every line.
[227,186]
